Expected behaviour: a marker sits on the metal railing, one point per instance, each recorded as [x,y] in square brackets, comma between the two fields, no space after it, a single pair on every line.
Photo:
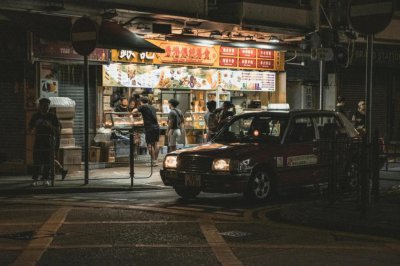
[123,149]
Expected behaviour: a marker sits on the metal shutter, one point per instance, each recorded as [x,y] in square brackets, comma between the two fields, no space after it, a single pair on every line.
[12,119]
[352,87]
[71,83]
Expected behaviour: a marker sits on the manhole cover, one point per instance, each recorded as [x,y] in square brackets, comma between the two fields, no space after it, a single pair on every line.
[235,234]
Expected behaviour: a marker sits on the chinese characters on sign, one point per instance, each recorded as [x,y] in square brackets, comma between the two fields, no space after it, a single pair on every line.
[150,76]
[195,55]
[181,53]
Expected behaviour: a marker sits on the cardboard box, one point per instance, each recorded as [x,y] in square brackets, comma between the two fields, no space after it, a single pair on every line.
[94,154]
[67,123]
[66,133]
[71,158]
[107,154]
[69,142]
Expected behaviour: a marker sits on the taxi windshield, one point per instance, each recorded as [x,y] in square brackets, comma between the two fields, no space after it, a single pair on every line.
[249,129]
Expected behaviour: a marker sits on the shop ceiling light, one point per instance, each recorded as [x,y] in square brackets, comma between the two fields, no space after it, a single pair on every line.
[274,39]
[187,31]
[216,34]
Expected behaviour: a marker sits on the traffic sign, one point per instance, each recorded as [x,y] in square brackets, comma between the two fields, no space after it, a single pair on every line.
[84,35]
[370,16]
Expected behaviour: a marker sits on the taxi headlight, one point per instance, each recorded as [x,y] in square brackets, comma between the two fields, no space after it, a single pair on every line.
[221,164]
[170,161]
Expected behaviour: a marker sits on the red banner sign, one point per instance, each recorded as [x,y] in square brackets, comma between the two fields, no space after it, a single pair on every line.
[265,64]
[248,52]
[267,54]
[228,61]
[247,62]
[228,51]
[182,53]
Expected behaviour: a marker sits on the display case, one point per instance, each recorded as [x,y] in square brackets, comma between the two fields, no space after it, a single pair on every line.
[219,97]
[122,121]
[162,119]
[195,128]
[194,120]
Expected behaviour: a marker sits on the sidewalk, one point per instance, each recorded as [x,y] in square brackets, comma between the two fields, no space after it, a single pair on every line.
[102,179]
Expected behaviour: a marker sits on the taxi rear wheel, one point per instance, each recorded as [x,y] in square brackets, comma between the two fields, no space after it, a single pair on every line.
[187,192]
[260,186]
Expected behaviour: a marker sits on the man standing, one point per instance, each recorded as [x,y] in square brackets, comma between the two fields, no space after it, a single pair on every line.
[211,120]
[341,106]
[151,127]
[47,129]
[123,105]
[175,121]
[358,118]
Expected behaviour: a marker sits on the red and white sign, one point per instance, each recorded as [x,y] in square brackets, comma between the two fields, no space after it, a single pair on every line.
[265,64]
[247,62]
[228,51]
[228,61]
[267,54]
[84,36]
[248,52]
[370,16]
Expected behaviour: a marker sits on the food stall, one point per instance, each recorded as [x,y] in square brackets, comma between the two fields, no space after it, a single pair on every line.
[194,74]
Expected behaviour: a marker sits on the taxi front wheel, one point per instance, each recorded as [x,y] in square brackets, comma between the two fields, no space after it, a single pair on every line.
[260,186]
[187,192]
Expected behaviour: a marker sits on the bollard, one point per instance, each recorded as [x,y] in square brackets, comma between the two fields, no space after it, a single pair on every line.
[375,165]
[332,185]
[131,157]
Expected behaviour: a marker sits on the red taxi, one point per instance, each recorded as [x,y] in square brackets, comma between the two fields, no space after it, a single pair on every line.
[260,153]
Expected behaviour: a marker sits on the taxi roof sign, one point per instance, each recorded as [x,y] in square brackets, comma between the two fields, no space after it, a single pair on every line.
[278,106]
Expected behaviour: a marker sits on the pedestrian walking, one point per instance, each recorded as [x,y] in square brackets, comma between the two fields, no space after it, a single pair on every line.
[211,120]
[358,117]
[175,124]
[46,128]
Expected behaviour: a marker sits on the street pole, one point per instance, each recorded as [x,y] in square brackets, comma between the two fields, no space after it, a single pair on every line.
[321,84]
[86,118]
[365,188]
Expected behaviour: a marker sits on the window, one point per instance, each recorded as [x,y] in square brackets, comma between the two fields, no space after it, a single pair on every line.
[328,125]
[253,129]
[301,130]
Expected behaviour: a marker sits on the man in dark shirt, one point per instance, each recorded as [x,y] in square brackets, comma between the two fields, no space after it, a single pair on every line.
[151,127]
[122,106]
[47,129]
[175,122]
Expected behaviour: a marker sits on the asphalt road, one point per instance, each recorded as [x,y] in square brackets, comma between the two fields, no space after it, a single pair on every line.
[155,227]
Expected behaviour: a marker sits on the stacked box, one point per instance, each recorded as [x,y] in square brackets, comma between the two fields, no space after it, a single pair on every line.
[71,158]
[66,118]
[94,154]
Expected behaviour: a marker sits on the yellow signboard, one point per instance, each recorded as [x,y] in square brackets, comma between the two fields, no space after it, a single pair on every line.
[215,56]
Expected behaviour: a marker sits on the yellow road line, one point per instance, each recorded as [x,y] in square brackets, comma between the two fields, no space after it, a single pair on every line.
[130,222]
[42,239]
[218,245]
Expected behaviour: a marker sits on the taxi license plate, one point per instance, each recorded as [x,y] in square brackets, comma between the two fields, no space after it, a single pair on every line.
[192,180]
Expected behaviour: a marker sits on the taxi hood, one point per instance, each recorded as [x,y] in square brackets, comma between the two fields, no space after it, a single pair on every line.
[230,150]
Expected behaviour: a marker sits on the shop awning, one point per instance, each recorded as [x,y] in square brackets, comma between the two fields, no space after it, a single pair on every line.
[111,34]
